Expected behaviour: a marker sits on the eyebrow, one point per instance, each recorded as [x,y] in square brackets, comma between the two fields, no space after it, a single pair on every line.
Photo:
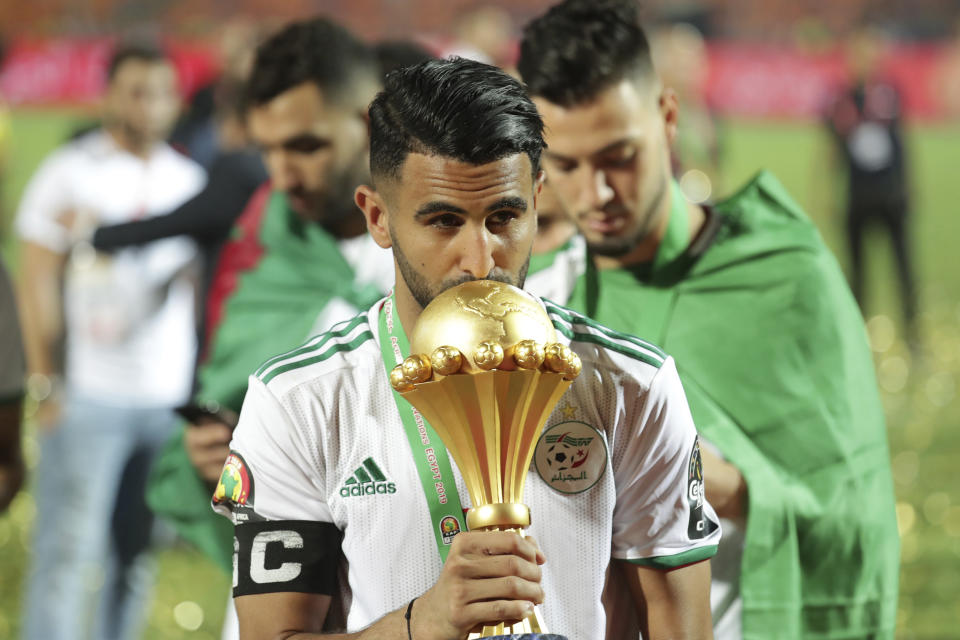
[510,202]
[610,147]
[439,206]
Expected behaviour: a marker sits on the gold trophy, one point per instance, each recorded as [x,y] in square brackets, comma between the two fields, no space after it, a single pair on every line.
[486,371]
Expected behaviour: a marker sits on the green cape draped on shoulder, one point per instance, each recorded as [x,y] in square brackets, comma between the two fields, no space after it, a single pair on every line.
[275,279]
[774,359]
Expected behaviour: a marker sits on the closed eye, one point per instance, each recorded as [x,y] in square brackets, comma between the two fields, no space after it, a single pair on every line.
[446,221]
[624,158]
[500,219]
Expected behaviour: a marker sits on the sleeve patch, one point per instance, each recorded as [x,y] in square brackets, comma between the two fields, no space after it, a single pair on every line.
[234,490]
[286,555]
[699,526]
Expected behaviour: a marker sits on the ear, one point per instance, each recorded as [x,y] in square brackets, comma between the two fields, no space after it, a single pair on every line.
[374,211]
[670,111]
[537,187]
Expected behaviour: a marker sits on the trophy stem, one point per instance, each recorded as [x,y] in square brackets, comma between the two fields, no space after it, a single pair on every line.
[532,623]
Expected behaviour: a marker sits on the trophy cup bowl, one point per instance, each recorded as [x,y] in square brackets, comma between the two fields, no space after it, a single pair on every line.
[486,371]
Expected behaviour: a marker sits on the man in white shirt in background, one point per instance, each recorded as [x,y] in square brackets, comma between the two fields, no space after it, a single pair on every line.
[110,345]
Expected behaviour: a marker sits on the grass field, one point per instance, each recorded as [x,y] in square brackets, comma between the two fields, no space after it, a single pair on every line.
[920,389]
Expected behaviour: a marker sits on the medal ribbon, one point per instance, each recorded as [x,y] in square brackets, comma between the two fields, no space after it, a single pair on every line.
[429,453]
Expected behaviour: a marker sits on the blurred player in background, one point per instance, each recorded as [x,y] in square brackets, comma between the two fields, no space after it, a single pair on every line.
[770,345]
[126,326]
[235,173]
[865,122]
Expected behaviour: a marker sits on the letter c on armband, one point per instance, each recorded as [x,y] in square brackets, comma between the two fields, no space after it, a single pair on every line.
[287,555]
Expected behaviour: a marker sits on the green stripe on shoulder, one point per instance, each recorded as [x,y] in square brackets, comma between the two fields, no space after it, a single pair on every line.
[677,560]
[320,357]
[572,317]
[317,342]
[619,347]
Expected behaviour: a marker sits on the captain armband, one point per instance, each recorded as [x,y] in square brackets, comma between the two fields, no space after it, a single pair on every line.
[287,555]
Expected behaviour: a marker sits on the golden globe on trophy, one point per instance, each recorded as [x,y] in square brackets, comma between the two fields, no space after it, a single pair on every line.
[486,371]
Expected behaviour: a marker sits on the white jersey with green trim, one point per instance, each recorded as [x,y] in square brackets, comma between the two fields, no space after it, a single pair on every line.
[321,458]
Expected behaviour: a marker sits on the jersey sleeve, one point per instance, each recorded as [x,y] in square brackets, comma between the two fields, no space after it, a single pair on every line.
[45,199]
[271,487]
[662,518]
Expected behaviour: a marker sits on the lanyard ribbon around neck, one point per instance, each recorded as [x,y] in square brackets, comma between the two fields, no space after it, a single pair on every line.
[429,453]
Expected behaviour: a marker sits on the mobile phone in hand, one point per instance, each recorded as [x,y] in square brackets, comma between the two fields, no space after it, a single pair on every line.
[195,413]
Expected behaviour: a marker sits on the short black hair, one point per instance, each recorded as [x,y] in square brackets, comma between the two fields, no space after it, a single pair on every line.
[579,48]
[143,51]
[455,108]
[316,50]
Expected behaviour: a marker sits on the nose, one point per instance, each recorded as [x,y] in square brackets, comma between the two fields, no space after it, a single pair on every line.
[476,251]
[282,173]
[595,190]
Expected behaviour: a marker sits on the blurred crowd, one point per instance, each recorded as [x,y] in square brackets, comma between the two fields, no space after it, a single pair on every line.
[169,248]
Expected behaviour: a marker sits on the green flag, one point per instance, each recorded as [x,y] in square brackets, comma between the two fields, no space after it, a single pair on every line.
[774,359]
[277,276]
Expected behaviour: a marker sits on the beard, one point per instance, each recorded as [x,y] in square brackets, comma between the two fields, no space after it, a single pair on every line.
[334,205]
[338,203]
[424,293]
[618,246]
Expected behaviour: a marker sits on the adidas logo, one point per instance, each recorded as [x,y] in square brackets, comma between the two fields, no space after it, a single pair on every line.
[367,480]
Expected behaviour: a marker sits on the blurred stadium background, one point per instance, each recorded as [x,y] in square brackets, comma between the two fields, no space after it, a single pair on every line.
[761,75]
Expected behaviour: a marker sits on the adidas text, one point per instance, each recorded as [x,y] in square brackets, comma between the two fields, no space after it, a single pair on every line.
[367,489]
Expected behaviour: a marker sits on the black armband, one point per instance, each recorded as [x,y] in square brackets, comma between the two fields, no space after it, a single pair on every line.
[285,555]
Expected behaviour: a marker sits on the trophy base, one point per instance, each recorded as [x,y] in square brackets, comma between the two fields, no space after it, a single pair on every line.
[528,636]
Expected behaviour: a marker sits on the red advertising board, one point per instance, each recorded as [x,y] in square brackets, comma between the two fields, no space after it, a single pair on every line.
[72,71]
[765,81]
[744,80]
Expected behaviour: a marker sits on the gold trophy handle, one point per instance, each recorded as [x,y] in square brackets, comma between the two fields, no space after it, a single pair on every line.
[509,516]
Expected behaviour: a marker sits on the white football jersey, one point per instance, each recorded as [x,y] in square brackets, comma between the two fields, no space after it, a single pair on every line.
[321,465]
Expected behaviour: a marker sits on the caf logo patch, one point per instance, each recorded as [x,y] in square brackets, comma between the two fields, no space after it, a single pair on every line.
[449,528]
[571,456]
[235,487]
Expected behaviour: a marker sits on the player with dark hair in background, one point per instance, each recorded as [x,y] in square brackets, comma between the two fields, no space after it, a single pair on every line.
[769,343]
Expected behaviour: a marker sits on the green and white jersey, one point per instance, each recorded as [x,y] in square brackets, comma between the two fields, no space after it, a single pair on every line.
[321,465]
